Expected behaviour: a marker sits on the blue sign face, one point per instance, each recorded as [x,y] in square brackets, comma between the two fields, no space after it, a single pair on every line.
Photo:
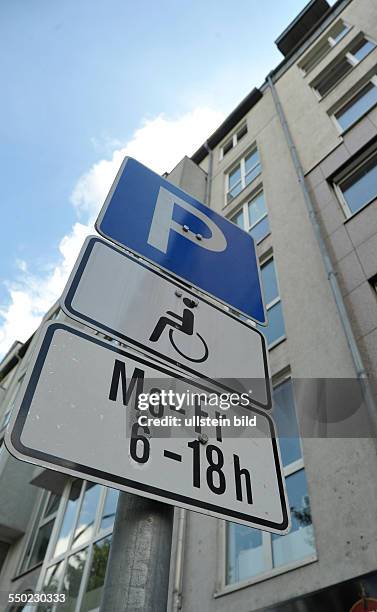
[151,217]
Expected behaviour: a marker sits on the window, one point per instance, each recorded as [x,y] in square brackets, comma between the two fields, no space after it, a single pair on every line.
[233,141]
[322,48]
[358,106]
[357,186]
[41,532]
[275,330]
[250,552]
[247,169]
[253,218]
[81,546]
[4,419]
[339,68]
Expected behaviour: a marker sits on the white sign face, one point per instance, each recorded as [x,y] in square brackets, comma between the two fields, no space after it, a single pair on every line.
[80,412]
[127,299]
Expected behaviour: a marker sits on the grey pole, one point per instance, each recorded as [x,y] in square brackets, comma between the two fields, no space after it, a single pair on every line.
[137,575]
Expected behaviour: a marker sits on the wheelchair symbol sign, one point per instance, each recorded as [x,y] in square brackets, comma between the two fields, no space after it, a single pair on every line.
[182,324]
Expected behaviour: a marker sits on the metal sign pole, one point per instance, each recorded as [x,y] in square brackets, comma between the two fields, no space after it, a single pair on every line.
[137,575]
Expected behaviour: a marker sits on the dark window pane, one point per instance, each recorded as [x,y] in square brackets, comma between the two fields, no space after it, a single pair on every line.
[358,106]
[244,553]
[269,282]
[362,49]
[85,525]
[338,31]
[109,510]
[314,57]
[261,230]
[53,504]
[332,76]
[41,543]
[299,542]
[94,587]
[241,133]
[361,187]
[228,146]
[286,423]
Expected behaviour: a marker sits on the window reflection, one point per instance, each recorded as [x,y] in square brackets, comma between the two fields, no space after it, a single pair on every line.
[299,542]
[270,285]
[85,525]
[51,584]
[361,187]
[261,230]
[69,518]
[358,106]
[251,552]
[286,423]
[109,510]
[94,587]
[245,553]
[238,219]
[82,547]
[275,329]
[72,580]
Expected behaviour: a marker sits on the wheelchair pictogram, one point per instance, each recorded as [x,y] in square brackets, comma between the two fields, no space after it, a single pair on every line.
[185,325]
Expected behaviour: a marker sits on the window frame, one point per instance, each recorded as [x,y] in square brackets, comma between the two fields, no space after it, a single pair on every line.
[98,535]
[13,391]
[242,181]
[345,55]
[346,174]
[332,43]
[38,521]
[264,262]
[234,139]
[244,208]
[292,468]
[348,102]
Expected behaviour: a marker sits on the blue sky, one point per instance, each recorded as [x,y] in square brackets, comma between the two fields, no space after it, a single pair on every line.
[86,81]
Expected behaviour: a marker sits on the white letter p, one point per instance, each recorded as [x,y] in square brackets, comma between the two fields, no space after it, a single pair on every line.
[163,222]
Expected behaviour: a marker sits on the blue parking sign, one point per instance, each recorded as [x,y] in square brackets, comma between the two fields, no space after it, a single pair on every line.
[146,214]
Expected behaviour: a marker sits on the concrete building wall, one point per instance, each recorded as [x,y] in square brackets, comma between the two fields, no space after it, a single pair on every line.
[314,133]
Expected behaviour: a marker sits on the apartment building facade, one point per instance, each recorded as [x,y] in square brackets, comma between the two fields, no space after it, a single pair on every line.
[295,164]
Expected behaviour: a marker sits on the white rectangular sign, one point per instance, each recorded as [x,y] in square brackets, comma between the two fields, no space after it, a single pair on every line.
[127,299]
[79,412]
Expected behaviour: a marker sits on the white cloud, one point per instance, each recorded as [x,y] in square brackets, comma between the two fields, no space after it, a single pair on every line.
[160,144]
[31,296]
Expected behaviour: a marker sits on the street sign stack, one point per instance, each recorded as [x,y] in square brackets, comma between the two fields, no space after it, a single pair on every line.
[152,304]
